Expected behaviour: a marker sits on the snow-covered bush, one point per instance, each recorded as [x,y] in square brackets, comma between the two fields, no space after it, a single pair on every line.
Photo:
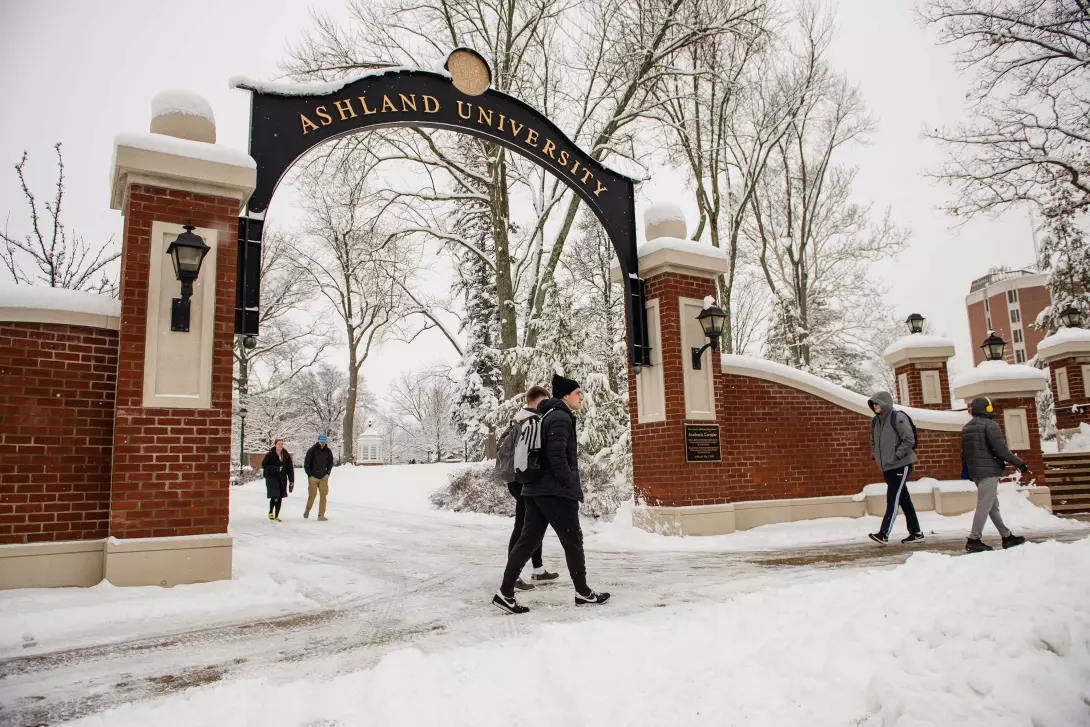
[603,489]
[474,489]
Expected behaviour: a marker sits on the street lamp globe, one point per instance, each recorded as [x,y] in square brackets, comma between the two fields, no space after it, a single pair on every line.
[993,347]
[915,323]
[1071,317]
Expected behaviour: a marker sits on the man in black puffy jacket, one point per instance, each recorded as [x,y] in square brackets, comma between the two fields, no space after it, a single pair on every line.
[985,453]
[318,464]
[553,500]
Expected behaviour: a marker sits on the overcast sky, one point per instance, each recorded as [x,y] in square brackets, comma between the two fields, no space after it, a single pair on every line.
[82,72]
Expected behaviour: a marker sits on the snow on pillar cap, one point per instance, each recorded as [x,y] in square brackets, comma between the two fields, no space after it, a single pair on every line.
[184,115]
[664,220]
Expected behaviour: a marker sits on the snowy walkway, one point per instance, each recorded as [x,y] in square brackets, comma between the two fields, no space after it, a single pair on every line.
[322,601]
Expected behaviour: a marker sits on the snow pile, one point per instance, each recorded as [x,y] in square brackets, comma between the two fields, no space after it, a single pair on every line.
[923,486]
[183,147]
[774,371]
[35,297]
[320,88]
[999,371]
[991,640]
[475,489]
[1062,336]
[1080,441]
[181,101]
[66,617]
[709,301]
[656,214]
[917,340]
[673,243]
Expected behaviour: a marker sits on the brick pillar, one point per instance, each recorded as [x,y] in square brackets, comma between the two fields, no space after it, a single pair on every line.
[172,426]
[919,367]
[1067,353]
[1012,390]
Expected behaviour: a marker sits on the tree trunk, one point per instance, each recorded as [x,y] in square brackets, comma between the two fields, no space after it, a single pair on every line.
[348,450]
[505,290]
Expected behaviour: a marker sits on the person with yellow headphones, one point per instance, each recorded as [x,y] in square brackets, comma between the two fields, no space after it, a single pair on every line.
[985,453]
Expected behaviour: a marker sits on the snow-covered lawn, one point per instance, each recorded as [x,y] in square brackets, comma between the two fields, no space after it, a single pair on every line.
[384,619]
[998,639]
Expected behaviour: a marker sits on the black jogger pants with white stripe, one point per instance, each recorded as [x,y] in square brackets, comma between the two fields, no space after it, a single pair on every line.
[897,494]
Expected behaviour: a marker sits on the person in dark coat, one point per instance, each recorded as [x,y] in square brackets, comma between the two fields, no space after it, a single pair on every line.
[553,500]
[985,453]
[318,464]
[279,474]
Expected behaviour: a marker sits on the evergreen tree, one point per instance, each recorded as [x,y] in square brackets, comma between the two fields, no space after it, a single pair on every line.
[1065,256]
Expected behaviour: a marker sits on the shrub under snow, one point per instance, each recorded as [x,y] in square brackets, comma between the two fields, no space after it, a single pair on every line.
[475,489]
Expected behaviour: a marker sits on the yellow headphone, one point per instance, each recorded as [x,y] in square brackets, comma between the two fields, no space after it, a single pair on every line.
[989,408]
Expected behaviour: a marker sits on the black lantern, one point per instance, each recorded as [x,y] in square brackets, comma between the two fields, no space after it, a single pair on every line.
[1071,317]
[712,320]
[187,253]
[915,323]
[993,347]
[249,343]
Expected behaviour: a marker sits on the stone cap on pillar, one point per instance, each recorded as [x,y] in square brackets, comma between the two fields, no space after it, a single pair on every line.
[999,380]
[1063,343]
[180,153]
[667,250]
[918,348]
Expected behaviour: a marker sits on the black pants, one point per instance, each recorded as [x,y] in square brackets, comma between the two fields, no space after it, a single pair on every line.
[897,493]
[541,512]
[274,506]
[515,489]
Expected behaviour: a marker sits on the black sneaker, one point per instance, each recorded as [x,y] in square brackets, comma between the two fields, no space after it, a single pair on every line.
[913,537]
[523,585]
[546,576]
[977,546]
[591,597]
[878,538]
[1012,540]
[510,605]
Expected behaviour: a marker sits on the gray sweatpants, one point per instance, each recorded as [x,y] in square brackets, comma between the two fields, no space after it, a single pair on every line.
[987,506]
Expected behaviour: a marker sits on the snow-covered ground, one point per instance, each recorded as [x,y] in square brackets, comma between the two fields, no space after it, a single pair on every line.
[381,615]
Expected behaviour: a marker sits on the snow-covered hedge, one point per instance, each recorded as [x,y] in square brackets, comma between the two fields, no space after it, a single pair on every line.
[474,489]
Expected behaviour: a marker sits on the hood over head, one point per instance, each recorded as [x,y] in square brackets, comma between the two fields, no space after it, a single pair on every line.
[981,407]
[882,398]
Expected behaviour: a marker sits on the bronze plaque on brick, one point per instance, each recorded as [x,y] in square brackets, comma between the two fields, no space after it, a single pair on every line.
[702,443]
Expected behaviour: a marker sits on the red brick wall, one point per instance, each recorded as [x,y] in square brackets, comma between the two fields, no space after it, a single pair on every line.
[57,387]
[1032,301]
[777,442]
[915,386]
[1032,456]
[978,330]
[1065,417]
[171,467]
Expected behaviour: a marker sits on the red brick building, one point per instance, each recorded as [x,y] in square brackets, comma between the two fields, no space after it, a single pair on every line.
[1007,303]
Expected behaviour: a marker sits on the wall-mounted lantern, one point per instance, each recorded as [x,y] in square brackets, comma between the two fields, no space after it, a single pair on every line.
[712,320]
[1071,317]
[915,323]
[187,253]
[993,347]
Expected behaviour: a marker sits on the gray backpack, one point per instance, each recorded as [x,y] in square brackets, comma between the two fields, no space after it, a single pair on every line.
[518,456]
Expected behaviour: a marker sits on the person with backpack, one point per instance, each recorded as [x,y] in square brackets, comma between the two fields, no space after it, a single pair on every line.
[517,462]
[892,445]
[553,500]
[985,453]
[318,464]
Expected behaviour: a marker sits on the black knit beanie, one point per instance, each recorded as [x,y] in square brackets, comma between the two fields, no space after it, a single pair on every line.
[562,387]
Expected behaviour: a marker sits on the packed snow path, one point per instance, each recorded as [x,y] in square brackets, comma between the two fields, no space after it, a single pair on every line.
[319,600]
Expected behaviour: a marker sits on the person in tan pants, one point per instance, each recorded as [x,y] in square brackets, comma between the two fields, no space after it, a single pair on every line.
[318,464]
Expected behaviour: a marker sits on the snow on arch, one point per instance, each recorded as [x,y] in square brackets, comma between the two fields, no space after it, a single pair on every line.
[663,212]
[181,101]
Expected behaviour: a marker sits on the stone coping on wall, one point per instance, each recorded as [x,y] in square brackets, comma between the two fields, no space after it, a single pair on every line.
[917,348]
[41,304]
[1064,342]
[999,379]
[733,364]
[674,255]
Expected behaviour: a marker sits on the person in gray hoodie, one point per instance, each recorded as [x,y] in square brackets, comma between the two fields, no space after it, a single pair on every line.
[891,444]
[985,453]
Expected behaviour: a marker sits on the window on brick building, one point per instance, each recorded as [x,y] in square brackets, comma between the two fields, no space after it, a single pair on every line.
[1019,355]
[1017,335]
[1015,315]
[1063,390]
[1012,296]
[986,305]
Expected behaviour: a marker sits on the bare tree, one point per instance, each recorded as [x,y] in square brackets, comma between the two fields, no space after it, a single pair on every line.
[424,405]
[357,269]
[50,254]
[322,396]
[1030,66]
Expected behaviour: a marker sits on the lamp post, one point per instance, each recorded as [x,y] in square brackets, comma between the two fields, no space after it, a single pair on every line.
[1071,317]
[915,323]
[241,441]
[712,319]
[187,253]
[993,347]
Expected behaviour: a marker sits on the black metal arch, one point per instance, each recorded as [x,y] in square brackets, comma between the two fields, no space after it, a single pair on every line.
[288,121]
